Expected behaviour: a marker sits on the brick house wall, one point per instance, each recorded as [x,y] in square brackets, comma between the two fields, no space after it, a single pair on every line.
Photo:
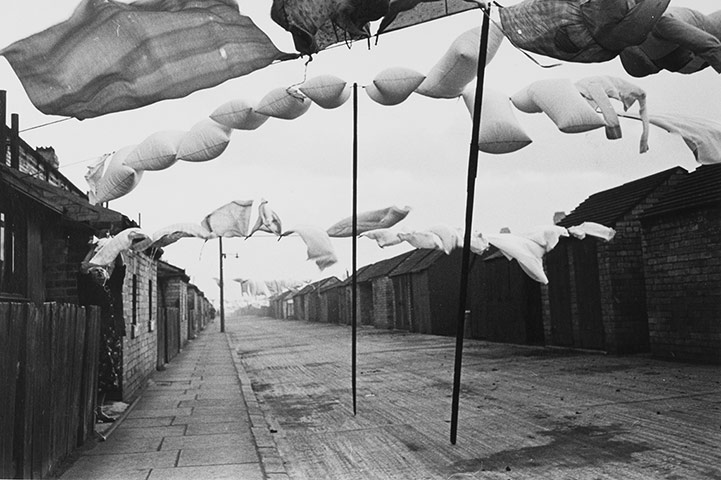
[383,302]
[682,253]
[140,345]
[63,251]
[621,284]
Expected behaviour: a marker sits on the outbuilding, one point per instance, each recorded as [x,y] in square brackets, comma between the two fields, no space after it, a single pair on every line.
[682,264]
[596,296]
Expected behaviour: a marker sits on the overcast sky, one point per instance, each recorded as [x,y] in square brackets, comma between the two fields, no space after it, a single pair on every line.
[412,154]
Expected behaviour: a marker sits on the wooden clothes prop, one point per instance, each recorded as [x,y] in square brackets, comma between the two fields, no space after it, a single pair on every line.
[111,56]
[684,41]
[580,30]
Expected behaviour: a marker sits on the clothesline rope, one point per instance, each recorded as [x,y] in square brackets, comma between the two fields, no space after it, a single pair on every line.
[45,124]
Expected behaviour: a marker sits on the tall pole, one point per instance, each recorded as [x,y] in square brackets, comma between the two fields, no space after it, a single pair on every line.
[220,284]
[470,194]
[3,133]
[354,284]
[15,141]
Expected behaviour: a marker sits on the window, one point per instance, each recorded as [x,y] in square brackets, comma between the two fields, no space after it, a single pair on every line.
[12,278]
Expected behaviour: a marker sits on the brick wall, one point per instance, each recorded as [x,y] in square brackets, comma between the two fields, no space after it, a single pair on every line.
[682,253]
[63,251]
[383,299]
[140,345]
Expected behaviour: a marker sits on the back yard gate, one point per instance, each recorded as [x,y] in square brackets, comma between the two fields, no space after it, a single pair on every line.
[48,384]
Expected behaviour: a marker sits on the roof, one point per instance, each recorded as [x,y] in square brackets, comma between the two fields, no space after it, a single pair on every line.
[71,205]
[329,284]
[359,272]
[166,270]
[609,206]
[382,268]
[700,188]
[419,260]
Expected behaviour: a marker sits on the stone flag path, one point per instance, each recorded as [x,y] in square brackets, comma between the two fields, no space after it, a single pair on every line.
[198,419]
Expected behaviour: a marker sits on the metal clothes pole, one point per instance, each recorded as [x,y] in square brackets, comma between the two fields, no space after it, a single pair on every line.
[3,133]
[470,194]
[220,284]
[354,285]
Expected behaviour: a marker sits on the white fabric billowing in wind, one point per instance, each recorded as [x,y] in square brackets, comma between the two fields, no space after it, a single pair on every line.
[424,239]
[546,236]
[317,241]
[172,233]
[593,229]
[479,244]
[267,221]
[230,220]
[525,251]
[93,176]
[130,238]
[384,237]
[450,238]
[371,220]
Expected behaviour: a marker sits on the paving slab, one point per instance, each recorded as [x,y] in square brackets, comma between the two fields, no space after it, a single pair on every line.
[216,456]
[242,471]
[171,433]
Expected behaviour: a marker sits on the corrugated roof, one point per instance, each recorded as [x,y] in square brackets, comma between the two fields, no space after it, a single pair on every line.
[71,205]
[699,188]
[419,260]
[383,267]
[609,206]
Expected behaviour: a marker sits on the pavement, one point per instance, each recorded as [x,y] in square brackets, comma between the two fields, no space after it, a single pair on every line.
[198,419]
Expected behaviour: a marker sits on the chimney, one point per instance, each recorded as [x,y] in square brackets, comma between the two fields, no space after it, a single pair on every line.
[48,153]
[558,216]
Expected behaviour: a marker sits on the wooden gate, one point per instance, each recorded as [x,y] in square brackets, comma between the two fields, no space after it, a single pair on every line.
[172,332]
[559,293]
[588,294]
[49,375]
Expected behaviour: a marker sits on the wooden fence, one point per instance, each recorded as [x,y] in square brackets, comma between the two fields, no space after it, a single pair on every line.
[48,384]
